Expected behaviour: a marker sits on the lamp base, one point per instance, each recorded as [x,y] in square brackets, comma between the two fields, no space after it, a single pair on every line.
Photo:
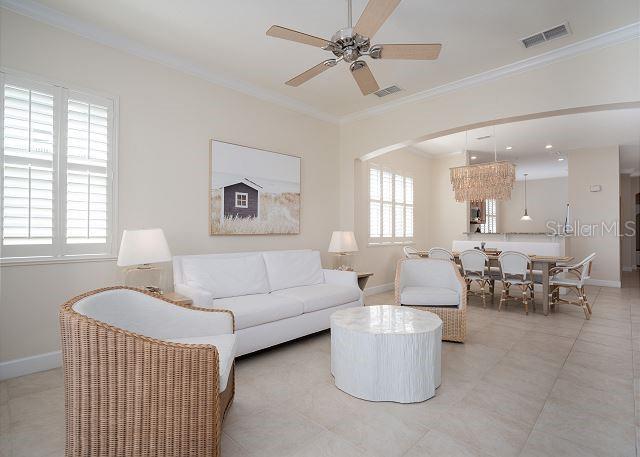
[344,262]
[144,277]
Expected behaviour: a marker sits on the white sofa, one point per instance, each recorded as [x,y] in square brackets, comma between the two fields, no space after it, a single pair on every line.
[275,296]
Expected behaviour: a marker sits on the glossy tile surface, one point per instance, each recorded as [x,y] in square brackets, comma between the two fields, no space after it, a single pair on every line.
[530,386]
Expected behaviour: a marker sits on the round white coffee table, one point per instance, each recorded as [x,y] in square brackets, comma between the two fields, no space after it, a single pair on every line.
[386,353]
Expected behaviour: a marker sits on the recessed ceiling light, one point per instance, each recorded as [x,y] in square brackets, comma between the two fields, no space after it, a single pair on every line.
[509,148]
[549,146]
[473,157]
[560,159]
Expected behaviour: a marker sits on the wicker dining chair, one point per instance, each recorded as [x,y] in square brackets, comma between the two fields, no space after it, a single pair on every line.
[475,268]
[573,278]
[440,253]
[410,252]
[516,269]
[144,376]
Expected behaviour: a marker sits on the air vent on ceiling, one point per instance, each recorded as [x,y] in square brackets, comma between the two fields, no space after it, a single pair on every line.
[554,32]
[483,137]
[387,91]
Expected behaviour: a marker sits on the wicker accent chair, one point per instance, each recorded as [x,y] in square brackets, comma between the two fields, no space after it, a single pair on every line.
[434,285]
[144,376]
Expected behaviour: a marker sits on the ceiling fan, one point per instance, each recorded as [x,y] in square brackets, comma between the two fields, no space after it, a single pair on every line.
[352,43]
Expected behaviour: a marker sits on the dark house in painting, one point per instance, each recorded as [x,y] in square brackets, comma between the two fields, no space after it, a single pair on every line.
[241,199]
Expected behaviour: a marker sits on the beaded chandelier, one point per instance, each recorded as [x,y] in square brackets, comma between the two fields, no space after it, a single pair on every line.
[484,181]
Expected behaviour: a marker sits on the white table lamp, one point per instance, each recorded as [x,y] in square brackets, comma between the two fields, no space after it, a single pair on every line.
[343,244]
[139,249]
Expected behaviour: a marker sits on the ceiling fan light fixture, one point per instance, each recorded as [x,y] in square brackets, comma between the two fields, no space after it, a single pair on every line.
[353,42]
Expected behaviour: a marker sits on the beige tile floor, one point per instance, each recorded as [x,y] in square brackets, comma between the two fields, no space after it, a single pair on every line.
[520,386]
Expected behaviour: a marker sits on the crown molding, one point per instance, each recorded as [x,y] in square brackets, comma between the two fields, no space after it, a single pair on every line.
[42,13]
[613,37]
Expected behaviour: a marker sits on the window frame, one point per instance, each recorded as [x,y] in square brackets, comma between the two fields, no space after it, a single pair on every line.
[393,239]
[60,251]
[241,195]
[488,216]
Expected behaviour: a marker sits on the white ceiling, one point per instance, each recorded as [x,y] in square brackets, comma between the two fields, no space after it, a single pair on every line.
[228,38]
[529,138]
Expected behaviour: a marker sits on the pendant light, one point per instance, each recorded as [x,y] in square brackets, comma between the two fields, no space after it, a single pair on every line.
[484,181]
[526,216]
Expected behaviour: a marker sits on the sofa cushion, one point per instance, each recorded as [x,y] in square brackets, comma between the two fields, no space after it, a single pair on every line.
[321,296]
[288,269]
[434,296]
[227,276]
[252,310]
[226,345]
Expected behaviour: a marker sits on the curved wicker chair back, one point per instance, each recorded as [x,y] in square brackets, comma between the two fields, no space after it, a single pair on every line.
[514,264]
[440,253]
[410,253]
[585,265]
[474,261]
[127,392]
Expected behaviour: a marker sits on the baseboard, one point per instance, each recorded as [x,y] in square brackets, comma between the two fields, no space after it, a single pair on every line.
[378,289]
[28,365]
[604,283]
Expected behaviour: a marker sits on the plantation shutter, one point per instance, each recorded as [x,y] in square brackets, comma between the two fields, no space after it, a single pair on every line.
[390,207]
[88,175]
[28,170]
[57,167]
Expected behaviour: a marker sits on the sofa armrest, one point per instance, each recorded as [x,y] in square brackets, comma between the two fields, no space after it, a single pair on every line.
[339,277]
[202,298]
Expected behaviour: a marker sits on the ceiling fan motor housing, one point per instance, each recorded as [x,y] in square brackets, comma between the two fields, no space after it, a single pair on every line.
[348,45]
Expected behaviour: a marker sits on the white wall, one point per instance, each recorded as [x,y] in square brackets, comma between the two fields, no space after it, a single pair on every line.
[587,167]
[629,187]
[546,201]
[381,260]
[601,76]
[166,121]
[448,217]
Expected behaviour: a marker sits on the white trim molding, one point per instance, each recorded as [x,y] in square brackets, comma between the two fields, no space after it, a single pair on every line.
[42,13]
[28,365]
[613,37]
[379,289]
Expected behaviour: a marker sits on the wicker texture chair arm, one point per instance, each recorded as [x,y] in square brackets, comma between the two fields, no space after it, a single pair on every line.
[130,395]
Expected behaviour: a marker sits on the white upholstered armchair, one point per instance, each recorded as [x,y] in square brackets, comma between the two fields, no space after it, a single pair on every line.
[434,285]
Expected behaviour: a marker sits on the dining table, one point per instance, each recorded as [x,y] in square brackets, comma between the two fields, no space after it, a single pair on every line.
[542,263]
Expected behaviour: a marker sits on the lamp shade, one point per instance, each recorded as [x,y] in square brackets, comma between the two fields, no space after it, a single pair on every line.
[143,246]
[342,242]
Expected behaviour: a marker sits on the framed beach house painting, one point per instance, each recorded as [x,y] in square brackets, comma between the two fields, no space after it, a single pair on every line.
[252,191]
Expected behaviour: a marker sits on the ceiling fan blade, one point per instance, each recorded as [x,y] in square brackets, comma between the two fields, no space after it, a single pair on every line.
[299,37]
[406,51]
[311,72]
[364,78]
[374,15]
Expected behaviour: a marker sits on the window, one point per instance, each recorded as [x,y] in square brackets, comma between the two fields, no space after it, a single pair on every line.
[491,217]
[390,206]
[57,171]
[242,200]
